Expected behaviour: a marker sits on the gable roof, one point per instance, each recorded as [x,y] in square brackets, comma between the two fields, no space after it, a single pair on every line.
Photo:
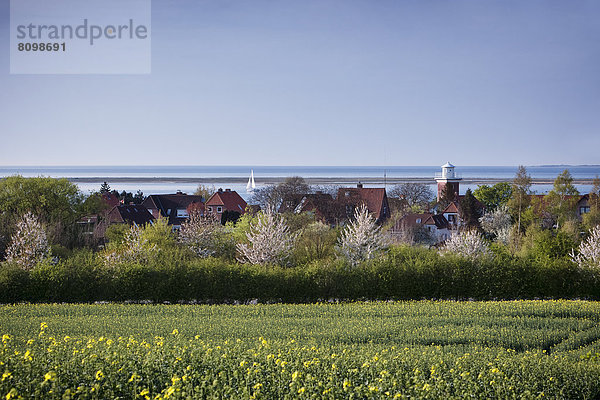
[412,220]
[229,199]
[168,204]
[321,204]
[374,198]
[110,199]
[130,213]
[438,220]
[451,208]
[454,206]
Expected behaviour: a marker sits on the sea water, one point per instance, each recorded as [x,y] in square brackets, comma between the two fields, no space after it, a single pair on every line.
[162,173]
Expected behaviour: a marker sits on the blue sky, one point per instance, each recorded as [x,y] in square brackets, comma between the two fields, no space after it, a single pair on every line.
[326,83]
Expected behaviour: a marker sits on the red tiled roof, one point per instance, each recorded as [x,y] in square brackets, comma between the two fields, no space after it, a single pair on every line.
[110,199]
[231,200]
[372,197]
[410,220]
[451,208]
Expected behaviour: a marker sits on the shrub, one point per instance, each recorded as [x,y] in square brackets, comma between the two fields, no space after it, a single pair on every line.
[468,244]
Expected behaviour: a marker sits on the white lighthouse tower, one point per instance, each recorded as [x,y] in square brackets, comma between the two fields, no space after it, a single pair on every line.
[447,178]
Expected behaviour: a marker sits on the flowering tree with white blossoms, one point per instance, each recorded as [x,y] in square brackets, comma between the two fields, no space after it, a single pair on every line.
[198,234]
[468,244]
[134,248]
[362,238]
[588,252]
[29,244]
[498,223]
[269,240]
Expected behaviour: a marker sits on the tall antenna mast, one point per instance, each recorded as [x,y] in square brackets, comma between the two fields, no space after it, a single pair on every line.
[384,169]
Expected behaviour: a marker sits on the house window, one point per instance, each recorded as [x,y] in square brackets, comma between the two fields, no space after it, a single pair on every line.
[418,220]
[219,209]
[182,213]
[169,211]
[209,209]
[584,210]
[451,218]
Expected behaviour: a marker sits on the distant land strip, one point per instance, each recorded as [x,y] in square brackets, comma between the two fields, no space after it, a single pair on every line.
[309,180]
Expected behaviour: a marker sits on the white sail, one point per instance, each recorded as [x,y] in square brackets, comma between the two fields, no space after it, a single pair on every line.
[251,185]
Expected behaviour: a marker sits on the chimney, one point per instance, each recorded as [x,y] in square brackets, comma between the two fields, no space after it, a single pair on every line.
[220,190]
[359,185]
[179,192]
[228,190]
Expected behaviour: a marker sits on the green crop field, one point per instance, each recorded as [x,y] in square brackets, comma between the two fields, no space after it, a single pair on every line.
[441,350]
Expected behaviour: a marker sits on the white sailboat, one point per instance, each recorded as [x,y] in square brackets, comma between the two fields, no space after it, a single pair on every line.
[251,185]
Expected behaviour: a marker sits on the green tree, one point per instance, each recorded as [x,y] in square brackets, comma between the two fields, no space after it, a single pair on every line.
[56,202]
[562,199]
[469,210]
[205,191]
[104,188]
[520,198]
[447,196]
[493,197]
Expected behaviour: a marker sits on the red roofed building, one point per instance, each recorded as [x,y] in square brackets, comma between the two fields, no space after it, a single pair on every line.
[374,198]
[436,224]
[225,201]
[174,207]
[131,214]
[110,199]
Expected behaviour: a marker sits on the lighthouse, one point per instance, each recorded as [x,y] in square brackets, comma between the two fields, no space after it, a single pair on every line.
[447,178]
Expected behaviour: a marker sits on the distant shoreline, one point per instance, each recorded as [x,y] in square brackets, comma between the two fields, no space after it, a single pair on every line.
[309,180]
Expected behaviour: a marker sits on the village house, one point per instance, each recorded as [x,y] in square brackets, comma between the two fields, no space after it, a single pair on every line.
[174,207]
[322,205]
[436,225]
[225,205]
[348,199]
[88,224]
[130,214]
[583,206]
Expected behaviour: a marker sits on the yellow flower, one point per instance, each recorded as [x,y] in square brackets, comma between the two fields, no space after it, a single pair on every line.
[12,394]
[5,338]
[257,386]
[50,376]
[295,375]
[301,390]
[99,375]
[175,332]
[6,375]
